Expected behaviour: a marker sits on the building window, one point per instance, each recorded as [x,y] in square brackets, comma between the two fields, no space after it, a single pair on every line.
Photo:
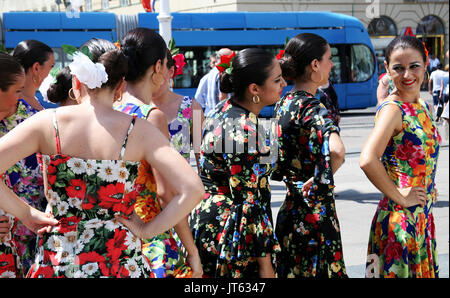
[430,25]
[382,26]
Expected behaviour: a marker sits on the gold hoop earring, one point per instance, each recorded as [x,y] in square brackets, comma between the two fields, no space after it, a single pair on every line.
[157,79]
[314,78]
[72,97]
[120,98]
[256,101]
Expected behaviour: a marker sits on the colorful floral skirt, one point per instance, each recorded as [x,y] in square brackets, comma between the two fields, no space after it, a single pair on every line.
[402,242]
[165,257]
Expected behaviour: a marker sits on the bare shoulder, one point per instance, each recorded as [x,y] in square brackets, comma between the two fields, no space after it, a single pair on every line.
[157,117]
[196,105]
[389,118]
[145,130]
[40,120]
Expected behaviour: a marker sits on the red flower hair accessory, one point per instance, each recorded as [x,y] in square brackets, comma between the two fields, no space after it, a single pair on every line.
[178,58]
[426,52]
[179,64]
[280,54]
[226,63]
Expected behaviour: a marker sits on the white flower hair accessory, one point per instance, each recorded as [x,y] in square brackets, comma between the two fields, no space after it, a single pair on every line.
[93,75]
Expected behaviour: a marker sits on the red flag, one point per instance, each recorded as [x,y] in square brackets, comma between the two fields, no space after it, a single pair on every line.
[146,5]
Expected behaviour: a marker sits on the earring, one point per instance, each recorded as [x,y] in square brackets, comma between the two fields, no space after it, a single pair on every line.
[120,98]
[158,80]
[256,101]
[314,78]
[72,95]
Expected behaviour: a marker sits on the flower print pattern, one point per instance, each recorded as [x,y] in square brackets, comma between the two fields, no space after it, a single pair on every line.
[25,179]
[163,253]
[88,241]
[403,239]
[307,227]
[232,226]
[180,129]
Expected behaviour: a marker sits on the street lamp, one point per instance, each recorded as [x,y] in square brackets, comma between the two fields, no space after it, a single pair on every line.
[165,21]
[58,2]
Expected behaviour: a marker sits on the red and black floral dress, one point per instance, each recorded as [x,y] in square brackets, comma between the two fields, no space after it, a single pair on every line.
[307,227]
[84,196]
[233,226]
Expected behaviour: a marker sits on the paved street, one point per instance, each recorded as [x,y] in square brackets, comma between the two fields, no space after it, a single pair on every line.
[357,198]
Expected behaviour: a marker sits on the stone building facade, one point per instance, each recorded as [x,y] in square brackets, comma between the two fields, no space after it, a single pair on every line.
[384,19]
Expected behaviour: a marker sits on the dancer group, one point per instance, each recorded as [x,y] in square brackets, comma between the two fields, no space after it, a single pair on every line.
[102,186]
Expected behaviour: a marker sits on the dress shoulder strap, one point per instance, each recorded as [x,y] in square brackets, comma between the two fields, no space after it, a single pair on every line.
[388,102]
[146,109]
[55,126]
[122,152]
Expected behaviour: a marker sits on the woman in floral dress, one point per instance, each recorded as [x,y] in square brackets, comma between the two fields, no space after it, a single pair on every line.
[310,153]
[147,49]
[182,112]
[90,188]
[233,227]
[25,177]
[400,159]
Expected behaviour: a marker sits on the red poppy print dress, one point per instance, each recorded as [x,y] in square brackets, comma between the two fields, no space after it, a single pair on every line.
[84,195]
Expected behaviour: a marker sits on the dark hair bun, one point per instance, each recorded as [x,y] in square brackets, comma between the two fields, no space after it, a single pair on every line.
[142,47]
[59,91]
[288,66]
[116,66]
[226,83]
[251,65]
[300,51]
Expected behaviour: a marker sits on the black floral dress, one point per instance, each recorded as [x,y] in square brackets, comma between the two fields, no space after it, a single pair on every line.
[232,226]
[307,227]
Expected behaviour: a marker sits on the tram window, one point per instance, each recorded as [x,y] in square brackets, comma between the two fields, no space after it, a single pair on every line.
[198,63]
[58,58]
[362,63]
[335,75]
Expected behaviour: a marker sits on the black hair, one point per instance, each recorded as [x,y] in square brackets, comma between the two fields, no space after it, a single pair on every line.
[405,42]
[116,66]
[59,91]
[105,52]
[28,52]
[300,51]
[143,47]
[10,69]
[98,47]
[250,65]
[170,61]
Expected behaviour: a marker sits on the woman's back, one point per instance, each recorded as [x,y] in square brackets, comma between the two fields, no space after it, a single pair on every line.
[89,132]
[84,195]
